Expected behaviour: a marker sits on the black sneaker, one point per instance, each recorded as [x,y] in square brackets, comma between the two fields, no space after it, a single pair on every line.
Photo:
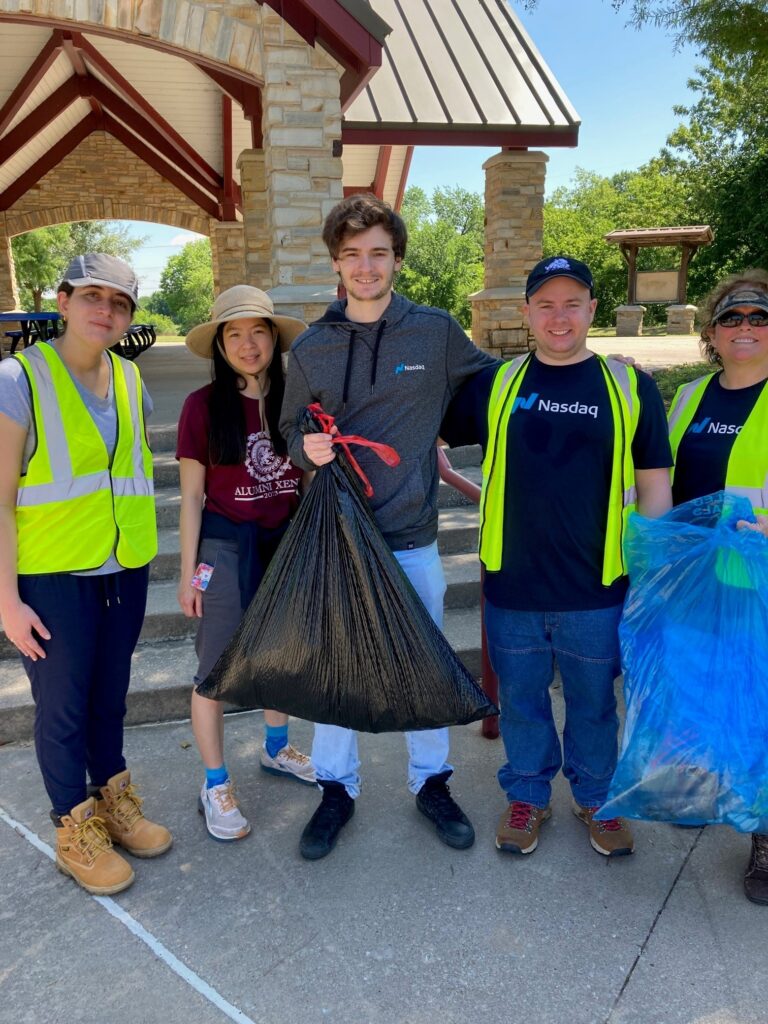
[434,800]
[756,875]
[322,830]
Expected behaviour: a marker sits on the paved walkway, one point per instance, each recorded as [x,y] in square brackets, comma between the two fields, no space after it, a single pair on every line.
[171,371]
[392,928]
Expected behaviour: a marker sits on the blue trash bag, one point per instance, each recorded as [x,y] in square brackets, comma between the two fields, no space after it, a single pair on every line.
[694,645]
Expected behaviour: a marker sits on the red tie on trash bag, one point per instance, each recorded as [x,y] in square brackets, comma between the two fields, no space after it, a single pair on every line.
[387,454]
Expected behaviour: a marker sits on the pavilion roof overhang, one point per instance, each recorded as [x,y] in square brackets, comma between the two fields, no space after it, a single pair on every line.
[92,96]
[696,234]
[459,72]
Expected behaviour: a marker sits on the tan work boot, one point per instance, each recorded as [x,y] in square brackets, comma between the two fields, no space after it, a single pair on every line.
[121,810]
[519,825]
[611,837]
[84,852]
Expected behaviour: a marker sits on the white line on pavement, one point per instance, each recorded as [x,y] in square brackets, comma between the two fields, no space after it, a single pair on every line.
[141,933]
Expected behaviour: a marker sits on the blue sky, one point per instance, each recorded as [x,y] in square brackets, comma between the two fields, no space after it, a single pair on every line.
[623,84]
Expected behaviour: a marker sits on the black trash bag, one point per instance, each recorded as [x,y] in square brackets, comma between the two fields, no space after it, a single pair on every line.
[336,633]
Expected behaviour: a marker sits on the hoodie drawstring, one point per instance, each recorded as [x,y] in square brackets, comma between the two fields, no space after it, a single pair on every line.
[374,365]
[348,370]
[379,334]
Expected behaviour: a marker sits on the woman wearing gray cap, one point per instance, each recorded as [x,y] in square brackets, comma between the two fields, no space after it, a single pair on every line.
[719,434]
[77,531]
[238,491]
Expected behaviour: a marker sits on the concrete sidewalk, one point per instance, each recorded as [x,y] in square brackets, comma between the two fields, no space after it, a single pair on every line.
[171,371]
[392,928]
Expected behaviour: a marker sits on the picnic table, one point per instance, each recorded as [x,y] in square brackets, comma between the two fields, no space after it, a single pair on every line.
[34,327]
[45,326]
[137,339]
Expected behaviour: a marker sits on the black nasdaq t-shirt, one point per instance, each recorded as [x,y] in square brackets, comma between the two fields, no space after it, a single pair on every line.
[702,456]
[558,476]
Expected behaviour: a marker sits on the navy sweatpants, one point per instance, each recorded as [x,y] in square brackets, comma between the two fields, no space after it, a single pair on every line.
[79,689]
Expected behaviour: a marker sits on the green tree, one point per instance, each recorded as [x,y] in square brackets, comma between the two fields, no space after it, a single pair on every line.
[186,285]
[722,157]
[444,261]
[37,256]
[577,218]
[728,28]
[40,256]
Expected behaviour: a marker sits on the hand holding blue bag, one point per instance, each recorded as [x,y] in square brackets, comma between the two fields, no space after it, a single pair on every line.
[694,644]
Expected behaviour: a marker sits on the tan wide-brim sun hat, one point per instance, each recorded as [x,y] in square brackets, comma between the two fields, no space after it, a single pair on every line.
[239,303]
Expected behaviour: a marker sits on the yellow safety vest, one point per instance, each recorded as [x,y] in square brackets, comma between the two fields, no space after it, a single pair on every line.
[75,505]
[621,382]
[747,472]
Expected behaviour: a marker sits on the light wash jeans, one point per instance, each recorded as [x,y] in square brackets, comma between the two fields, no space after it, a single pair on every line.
[334,750]
[523,646]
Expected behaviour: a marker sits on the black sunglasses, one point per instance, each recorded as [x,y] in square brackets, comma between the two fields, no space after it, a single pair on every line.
[737,319]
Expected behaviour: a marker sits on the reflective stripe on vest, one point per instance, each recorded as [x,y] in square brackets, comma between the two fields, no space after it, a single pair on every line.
[747,471]
[74,507]
[621,384]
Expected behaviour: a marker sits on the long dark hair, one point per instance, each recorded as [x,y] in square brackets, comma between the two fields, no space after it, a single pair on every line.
[226,446]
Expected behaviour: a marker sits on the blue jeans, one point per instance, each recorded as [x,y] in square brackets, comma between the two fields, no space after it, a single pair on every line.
[334,750]
[523,647]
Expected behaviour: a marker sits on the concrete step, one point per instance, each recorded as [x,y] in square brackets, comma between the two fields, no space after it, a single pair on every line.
[457,534]
[162,675]
[168,499]
[465,460]
[164,619]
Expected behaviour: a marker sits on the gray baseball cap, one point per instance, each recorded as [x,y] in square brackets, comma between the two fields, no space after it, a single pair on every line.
[99,268]
[740,297]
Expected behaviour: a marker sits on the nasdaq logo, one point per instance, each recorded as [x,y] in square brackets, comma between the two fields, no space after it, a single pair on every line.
[524,403]
[699,428]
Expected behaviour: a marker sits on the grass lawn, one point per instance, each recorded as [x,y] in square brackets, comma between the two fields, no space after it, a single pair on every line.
[670,379]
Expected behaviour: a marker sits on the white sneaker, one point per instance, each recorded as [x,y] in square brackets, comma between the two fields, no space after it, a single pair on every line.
[222,815]
[289,761]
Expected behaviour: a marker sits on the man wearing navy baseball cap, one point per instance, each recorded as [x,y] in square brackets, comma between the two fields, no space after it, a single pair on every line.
[572,442]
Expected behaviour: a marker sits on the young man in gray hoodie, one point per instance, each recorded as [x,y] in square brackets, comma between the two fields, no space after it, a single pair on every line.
[386,369]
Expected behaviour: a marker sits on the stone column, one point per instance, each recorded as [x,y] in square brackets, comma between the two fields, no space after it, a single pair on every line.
[680,319]
[228,254]
[629,321]
[514,224]
[257,223]
[9,292]
[302,133]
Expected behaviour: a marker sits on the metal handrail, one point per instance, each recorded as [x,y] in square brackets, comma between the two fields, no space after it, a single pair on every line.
[490,681]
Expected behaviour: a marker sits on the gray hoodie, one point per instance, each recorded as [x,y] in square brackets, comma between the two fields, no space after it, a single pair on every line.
[389,381]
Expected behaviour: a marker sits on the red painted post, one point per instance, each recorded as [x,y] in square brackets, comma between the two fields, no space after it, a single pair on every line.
[490,726]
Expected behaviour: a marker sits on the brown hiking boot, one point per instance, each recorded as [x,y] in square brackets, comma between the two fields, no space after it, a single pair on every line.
[84,852]
[756,875]
[518,830]
[121,810]
[611,837]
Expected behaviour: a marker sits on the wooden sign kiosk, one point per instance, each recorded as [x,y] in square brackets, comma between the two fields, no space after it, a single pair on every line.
[667,286]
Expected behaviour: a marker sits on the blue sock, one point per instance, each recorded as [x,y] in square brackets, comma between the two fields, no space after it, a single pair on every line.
[276,738]
[215,776]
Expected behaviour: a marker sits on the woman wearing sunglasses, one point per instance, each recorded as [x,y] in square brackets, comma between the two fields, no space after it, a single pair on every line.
[719,434]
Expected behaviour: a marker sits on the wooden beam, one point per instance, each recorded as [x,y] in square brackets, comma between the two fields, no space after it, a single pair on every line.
[30,80]
[382,167]
[404,178]
[163,167]
[228,205]
[63,97]
[46,163]
[132,95]
[441,135]
[248,97]
[135,120]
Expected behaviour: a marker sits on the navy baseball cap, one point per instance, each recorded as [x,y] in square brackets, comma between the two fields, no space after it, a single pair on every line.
[559,266]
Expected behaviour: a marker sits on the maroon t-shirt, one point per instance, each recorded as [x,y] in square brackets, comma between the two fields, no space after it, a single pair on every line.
[263,489]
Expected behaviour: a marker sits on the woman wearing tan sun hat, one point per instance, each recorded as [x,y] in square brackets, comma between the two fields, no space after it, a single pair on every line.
[238,492]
